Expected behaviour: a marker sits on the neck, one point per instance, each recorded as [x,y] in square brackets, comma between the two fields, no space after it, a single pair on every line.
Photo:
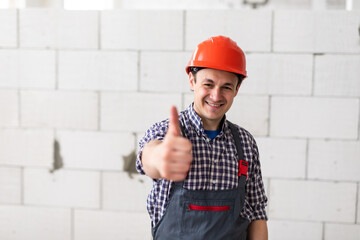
[211,126]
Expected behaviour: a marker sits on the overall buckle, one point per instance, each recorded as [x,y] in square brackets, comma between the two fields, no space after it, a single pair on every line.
[243,167]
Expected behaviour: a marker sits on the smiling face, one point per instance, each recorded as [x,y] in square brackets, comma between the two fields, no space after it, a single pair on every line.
[214,92]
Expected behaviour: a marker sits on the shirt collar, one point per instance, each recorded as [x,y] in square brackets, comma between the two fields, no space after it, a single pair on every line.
[194,118]
[198,124]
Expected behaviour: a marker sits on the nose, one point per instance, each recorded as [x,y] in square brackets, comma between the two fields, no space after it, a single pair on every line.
[215,94]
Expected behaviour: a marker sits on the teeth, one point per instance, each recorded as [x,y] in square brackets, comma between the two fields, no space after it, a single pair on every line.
[214,105]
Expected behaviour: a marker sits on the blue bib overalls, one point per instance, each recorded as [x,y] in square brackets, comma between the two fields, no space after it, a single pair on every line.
[206,214]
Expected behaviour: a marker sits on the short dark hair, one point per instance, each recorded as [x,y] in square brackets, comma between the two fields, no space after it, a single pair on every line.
[194,70]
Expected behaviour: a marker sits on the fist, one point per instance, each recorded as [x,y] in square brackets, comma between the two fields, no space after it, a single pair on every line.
[175,154]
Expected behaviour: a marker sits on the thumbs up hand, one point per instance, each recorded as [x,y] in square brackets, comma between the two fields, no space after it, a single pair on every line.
[171,158]
[174,124]
[176,152]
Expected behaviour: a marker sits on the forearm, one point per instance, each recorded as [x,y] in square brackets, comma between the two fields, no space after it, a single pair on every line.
[147,160]
[257,230]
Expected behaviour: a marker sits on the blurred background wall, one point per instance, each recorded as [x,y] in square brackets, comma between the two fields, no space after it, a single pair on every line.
[80,83]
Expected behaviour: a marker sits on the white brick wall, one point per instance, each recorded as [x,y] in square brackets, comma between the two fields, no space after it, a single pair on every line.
[9,108]
[10,185]
[85,85]
[37,28]
[77,29]
[26,147]
[50,28]
[34,223]
[95,150]
[358,207]
[338,31]
[342,231]
[27,69]
[125,192]
[312,201]
[184,4]
[282,158]
[337,75]
[66,188]
[257,113]
[334,160]
[321,31]
[60,109]
[94,225]
[98,70]
[188,99]
[250,29]
[135,111]
[293,31]
[285,74]
[155,68]
[314,117]
[147,30]
[295,230]
[8,33]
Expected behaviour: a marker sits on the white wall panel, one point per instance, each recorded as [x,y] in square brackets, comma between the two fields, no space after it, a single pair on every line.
[98,70]
[31,147]
[125,192]
[141,29]
[284,74]
[34,223]
[135,111]
[95,150]
[65,188]
[282,158]
[334,160]
[59,109]
[9,108]
[295,230]
[10,185]
[54,28]
[312,201]
[314,117]
[94,225]
[250,29]
[164,72]
[27,69]
[8,28]
[337,75]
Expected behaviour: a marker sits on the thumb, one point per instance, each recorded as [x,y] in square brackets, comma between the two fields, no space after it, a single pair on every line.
[174,124]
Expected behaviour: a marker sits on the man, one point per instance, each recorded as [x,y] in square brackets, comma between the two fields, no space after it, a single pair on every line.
[207,181]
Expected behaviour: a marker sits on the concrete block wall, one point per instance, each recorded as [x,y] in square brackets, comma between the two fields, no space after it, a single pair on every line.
[79,88]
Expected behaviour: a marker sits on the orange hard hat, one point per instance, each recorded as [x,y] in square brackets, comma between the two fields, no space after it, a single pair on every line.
[220,53]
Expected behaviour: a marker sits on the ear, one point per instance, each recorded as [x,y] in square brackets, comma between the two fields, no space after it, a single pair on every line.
[237,88]
[192,81]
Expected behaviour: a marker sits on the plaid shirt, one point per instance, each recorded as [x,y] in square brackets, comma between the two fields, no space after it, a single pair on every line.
[214,166]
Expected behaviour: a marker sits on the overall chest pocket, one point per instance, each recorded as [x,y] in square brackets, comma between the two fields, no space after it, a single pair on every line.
[208,216]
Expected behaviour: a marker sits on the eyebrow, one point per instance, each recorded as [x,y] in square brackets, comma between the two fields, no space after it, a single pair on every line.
[226,84]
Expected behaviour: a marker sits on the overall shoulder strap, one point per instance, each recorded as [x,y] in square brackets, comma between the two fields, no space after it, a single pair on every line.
[235,133]
[243,165]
